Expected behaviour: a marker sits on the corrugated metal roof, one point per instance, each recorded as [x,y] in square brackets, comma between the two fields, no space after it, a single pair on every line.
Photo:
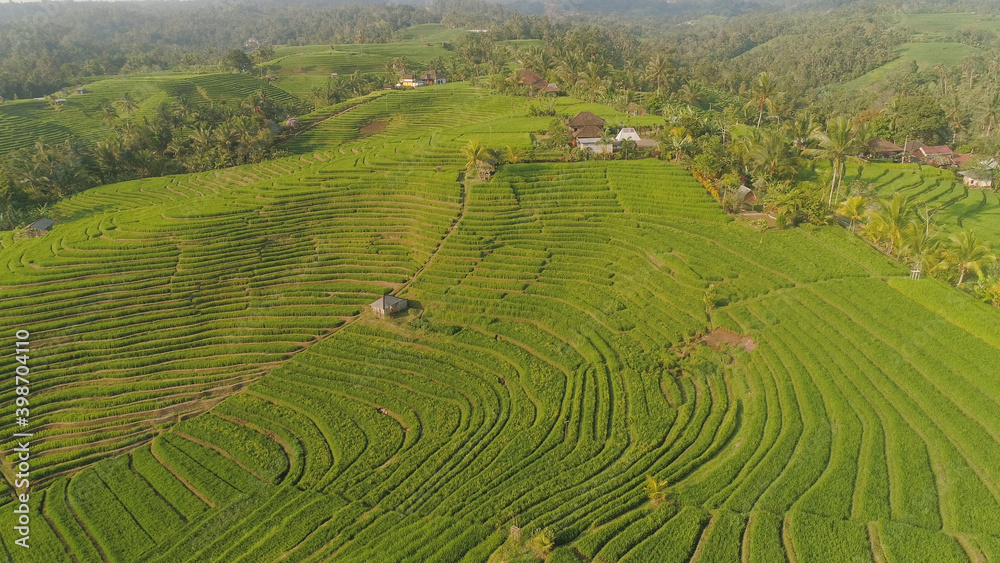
[42,224]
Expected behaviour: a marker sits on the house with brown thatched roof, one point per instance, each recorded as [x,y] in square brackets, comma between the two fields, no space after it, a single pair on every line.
[537,83]
[587,129]
[884,148]
[588,132]
[433,77]
[586,119]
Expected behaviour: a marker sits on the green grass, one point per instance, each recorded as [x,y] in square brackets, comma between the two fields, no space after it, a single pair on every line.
[926,55]
[958,206]
[937,25]
[23,122]
[299,69]
[534,379]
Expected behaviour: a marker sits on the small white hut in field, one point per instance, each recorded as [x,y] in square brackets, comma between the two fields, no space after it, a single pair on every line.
[387,305]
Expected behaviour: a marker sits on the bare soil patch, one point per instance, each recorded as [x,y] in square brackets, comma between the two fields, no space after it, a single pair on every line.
[721,336]
[373,128]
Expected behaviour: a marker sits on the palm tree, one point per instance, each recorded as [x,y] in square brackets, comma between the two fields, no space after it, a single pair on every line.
[802,129]
[689,93]
[762,94]
[788,205]
[942,73]
[991,113]
[894,113]
[773,155]
[592,81]
[954,116]
[887,221]
[513,154]
[921,250]
[657,491]
[534,58]
[475,154]
[202,138]
[853,208]
[837,144]
[607,144]
[658,70]
[969,253]
[108,115]
[126,105]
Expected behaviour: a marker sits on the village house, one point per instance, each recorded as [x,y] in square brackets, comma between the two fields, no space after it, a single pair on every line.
[387,305]
[589,138]
[433,77]
[537,83]
[588,129]
[429,78]
[410,81]
[885,149]
[937,155]
[586,119]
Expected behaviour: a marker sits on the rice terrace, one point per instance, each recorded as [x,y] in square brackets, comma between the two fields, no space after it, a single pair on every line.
[491,316]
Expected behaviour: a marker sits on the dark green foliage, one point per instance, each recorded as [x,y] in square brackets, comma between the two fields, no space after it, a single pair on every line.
[921,117]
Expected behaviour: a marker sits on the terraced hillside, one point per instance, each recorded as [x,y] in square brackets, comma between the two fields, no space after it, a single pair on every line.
[549,363]
[954,205]
[26,121]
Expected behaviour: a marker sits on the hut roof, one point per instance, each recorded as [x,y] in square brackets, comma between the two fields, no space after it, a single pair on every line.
[977,175]
[628,133]
[431,76]
[588,132]
[913,147]
[42,224]
[529,78]
[585,119]
[745,194]
[963,159]
[884,146]
[387,302]
[937,150]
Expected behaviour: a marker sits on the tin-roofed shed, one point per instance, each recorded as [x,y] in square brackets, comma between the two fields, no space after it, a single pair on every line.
[387,305]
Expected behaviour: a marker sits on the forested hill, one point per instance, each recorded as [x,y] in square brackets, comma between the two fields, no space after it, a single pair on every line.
[45,45]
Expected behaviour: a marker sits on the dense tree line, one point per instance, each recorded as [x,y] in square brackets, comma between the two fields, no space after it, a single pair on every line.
[179,137]
[47,46]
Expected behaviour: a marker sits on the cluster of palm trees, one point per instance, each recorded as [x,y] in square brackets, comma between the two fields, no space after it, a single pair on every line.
[481,160]
[188,137]
[906,231]
[180,137]
[594,75]
[340,88]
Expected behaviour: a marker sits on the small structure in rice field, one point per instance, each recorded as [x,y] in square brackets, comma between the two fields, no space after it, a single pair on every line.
[977,179]
[387,305]
[40,227]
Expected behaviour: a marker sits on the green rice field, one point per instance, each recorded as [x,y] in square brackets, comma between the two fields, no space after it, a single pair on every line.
[211,386]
